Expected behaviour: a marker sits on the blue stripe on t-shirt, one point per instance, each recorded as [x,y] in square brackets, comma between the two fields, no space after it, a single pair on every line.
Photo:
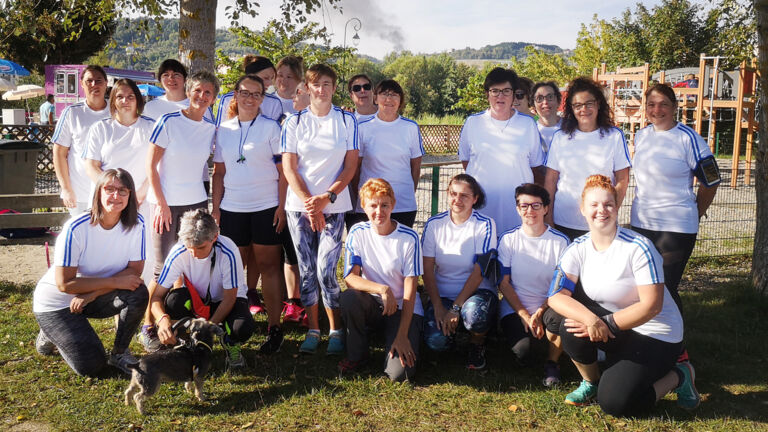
[161,123]
[429,221]
[624,145]
[85,217]
[418,132]
[692,136]
[417,264]
[175,253]
[232,263]
[629,237]
[60,124]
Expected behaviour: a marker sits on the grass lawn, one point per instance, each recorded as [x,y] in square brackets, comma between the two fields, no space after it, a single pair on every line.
[726,336]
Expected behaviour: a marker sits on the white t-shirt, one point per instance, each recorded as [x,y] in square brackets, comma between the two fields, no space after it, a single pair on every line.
[664,163]
[547,132]
[227,270]
[577,158]
[287,105]
[455,249]
[187,144]
[72,131]
[529,262]
[363,117]
[321,144]
[118,146]
[501,155]
[387,260]
[386,150]
[271,107]
[610,278]
[95,251]
[250,185]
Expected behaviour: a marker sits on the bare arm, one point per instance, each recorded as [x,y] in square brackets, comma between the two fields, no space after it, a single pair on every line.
[510,295]
[622,182]
[61,166]
[282,189]
[416,172]
[157,310]
[128,279]
[320,201]
[650,303]
[550,184]
[225,307]
[464,164]
[539,173]
[93,169]
[470,286]
[291,171]
[162,213]
[217,186]
[402,345]
[357,282]
[354,184]
[704,198]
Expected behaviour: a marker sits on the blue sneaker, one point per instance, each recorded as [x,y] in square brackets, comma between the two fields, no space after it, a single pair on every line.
[584,395]
[687,395]
[311,341]
[335,344]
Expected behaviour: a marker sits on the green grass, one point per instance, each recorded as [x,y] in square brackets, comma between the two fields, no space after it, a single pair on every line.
[726,339]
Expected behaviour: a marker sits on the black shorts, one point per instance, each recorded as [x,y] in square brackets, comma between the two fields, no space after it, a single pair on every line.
[251,228]
[289,251]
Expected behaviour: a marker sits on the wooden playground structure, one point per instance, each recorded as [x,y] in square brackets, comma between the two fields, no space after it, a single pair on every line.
[626,97]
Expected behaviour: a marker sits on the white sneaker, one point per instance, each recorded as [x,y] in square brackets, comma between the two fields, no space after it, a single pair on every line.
[43,345]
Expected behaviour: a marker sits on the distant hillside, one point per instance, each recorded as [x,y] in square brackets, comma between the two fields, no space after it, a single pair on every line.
[502,51]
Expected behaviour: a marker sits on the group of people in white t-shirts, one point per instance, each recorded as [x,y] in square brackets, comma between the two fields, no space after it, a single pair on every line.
[540,197]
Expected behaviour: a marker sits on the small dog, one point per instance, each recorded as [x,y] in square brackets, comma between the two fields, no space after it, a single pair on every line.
[189,363]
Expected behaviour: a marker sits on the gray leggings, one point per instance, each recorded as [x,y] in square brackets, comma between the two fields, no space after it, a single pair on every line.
[76,340]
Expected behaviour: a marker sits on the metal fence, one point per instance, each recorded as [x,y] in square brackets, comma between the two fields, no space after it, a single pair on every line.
[728,229]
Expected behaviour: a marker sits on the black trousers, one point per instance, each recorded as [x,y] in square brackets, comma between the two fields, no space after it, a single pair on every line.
[239,323]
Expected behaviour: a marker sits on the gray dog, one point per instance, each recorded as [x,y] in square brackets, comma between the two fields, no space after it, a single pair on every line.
[188,363]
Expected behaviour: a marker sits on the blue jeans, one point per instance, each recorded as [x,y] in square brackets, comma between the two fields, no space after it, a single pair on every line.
[478,314]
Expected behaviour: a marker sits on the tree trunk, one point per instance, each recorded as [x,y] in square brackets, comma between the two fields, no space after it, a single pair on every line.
[760,255]
[197,34]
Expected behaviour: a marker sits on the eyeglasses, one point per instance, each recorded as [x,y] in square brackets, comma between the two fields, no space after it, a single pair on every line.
[520,95]
[588,105]
[526,206]
[388,94]
[94,82]
[245,94]
[505,91]
[357,87]
[110,190]
[541,98]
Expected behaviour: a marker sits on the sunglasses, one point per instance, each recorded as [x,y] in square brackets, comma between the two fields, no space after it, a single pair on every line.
[357,87]
[520,95]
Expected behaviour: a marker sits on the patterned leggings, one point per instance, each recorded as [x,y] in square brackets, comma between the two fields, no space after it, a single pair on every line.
[318,254]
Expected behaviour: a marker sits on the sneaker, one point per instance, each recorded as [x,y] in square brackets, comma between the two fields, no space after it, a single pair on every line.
[687,395]
[582,395]
[304,319]
[551,374]
[335,344]
[148,339]
[292,312]
[273,342]
[311,341]
[43,345]
[255,304]
[122,361]
[235,359]
[476,358]
[257,309]
[683,357]
[348,366]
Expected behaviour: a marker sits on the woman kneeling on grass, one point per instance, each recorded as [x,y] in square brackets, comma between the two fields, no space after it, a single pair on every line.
[623,309]
[214,286]
[383,265]
[96,274]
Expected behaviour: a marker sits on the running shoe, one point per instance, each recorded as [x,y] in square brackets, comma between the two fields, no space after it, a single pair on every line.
[348,366]
[584,395]
[683,357]
[148,339]
[43,345]
[311,341]
[273,342]
[335,344]
[122,361]
[476,357]
[687,395]
[235,359]
[255,306]
[551,374]
[292,311]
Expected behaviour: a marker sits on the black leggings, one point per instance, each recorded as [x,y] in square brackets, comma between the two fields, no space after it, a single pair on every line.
[634,362]
[526,347]
[239,322]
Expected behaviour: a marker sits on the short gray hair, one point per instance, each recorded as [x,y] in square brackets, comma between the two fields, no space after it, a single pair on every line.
[197,227]
[202,77]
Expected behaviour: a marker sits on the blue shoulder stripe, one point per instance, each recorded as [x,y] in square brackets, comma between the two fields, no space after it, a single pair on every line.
[430,220]
[223,104]
[487,221]
[147,118]
[632,237]
[559,234]
[692,136]
[161,123]
[624,144]
[172,255]
[417,252]
[79,220]
[60,123]
[232,263]
[418,132]
[142,226]
[509,231]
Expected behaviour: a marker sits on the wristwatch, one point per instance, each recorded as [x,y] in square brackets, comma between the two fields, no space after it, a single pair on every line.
[456,308]
[331,197]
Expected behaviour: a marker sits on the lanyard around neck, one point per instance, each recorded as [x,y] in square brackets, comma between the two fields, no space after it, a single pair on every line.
[241,146]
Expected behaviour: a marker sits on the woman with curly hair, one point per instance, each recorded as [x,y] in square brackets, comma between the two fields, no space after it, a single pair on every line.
[587,143]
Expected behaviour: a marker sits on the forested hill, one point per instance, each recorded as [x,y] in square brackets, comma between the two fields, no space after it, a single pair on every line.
[502,51]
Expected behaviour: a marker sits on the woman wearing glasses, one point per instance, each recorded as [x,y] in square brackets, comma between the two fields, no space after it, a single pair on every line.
[271,106]
[546,101]
[249,193]
[501,148]
[390,148]
[319,146]
[587,143]
[122,141]
[361,91]
[96,274]
[528,255]
[69,140]
[458,293]
[523,101]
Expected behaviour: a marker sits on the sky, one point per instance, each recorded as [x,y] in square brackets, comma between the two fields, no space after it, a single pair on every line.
[430,26]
